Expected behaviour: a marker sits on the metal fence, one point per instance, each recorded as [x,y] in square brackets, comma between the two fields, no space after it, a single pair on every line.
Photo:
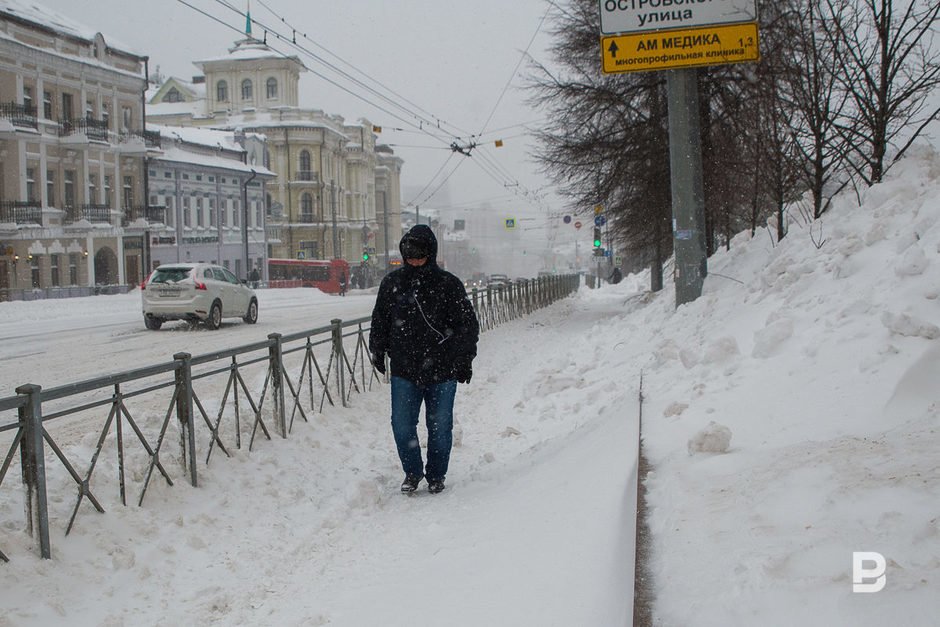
[161,421]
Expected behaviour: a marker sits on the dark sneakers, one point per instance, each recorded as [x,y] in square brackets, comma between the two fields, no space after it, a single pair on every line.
[435,486]
[410,484]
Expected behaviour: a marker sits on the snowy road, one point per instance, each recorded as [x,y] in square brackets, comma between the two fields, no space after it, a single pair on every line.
[40,341]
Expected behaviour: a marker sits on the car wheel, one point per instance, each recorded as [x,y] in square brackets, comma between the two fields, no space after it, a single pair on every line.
[214,321]
[251,316]
[152,323]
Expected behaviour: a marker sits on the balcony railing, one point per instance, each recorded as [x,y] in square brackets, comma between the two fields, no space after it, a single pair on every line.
[307,218]
[151,213]
[19,115]
[96,130]
[96,214]
[20,212]
[307,175]
[151,138]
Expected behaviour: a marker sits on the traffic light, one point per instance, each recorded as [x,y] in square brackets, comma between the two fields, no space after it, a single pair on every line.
[597,237]
[365,254]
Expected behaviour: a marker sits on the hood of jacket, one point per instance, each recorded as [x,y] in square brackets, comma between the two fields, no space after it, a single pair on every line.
[423,236]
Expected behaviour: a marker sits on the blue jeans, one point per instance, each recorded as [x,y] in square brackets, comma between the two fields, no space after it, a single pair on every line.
[438,401]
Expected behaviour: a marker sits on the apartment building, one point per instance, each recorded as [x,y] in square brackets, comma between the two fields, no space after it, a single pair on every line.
[73,208]
[213,196]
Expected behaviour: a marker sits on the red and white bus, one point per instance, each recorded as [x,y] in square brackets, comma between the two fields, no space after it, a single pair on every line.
[323,274]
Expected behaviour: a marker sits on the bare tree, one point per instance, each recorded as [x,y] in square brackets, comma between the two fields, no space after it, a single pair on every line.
[888,68]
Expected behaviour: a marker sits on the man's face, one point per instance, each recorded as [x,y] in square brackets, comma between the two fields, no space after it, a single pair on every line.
[415,263]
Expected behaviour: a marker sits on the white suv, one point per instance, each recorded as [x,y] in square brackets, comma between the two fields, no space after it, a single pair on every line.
[196,292]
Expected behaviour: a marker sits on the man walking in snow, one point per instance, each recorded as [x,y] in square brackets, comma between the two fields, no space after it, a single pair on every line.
[424,323]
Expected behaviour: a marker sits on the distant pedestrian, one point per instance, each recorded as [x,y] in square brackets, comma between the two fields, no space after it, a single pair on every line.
[253,277]
[426,326]
[342,284]
[616,276]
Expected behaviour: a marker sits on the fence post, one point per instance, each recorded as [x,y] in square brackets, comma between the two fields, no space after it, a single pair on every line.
[185,415]
[275,356]
[338,356]
[33,457]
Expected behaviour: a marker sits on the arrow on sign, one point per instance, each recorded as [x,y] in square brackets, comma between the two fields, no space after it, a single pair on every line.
[613,49]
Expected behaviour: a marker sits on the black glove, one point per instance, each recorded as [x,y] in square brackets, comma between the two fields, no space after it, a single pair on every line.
[378,362]
[462,371]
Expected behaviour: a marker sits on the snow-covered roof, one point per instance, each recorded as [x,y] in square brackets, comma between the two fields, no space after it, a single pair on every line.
[197,135]
[247,50]
[194,108]
[41,15]
[180,155]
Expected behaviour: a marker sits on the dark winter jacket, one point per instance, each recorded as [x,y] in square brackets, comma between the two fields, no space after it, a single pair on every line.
[423,319]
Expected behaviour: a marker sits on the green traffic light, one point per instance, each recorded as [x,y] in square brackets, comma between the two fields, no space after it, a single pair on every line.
[597,243]
[365,256]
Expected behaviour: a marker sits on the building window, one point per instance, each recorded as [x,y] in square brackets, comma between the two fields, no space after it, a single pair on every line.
[50,188]
[28,100]
[173,96]
[92,188]
[69,189]
[211,212]
[89,110]
[236,210]
[167,175]
[105,114]
[73,269]
[170,211]
[31,184]
[305,166]
[107,190]
[187,217]
[272,87]
[306,208]
[258,216]
[54,269]
[47,105]
[223,213]
[221,91]
[198,177]
[199,221]
[67,107]
[126,117]
[128,192]
[34,267]
[247,92]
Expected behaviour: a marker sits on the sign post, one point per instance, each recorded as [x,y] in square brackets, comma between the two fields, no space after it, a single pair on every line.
[637,37]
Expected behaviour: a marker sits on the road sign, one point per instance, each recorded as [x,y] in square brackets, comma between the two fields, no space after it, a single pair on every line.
[667,50]
[510,224]
[598,209]
[600,220]
[633,16]
[566,219]
[618,260]
[577,225]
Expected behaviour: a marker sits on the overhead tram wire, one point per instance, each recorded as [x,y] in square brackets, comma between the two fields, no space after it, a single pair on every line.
[314,72]
[341,59]
[290,41]
[494,167]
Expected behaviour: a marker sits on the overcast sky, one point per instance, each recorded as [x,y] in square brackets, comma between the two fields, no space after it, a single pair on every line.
[449,58]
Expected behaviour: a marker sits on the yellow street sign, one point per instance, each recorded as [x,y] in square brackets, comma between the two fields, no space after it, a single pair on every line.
[673,49]
[598,209]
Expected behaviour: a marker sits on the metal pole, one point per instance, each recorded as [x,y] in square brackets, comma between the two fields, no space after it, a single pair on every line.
[333,205]
[34,468]
[245,220]
[688,198]
[385,212]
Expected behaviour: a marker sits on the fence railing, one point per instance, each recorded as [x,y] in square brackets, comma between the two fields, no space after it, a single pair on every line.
[192,406]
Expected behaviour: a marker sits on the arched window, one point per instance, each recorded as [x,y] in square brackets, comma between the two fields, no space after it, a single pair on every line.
[306,208]
[247,93]
[221,91]
[305,174]
[272,87]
